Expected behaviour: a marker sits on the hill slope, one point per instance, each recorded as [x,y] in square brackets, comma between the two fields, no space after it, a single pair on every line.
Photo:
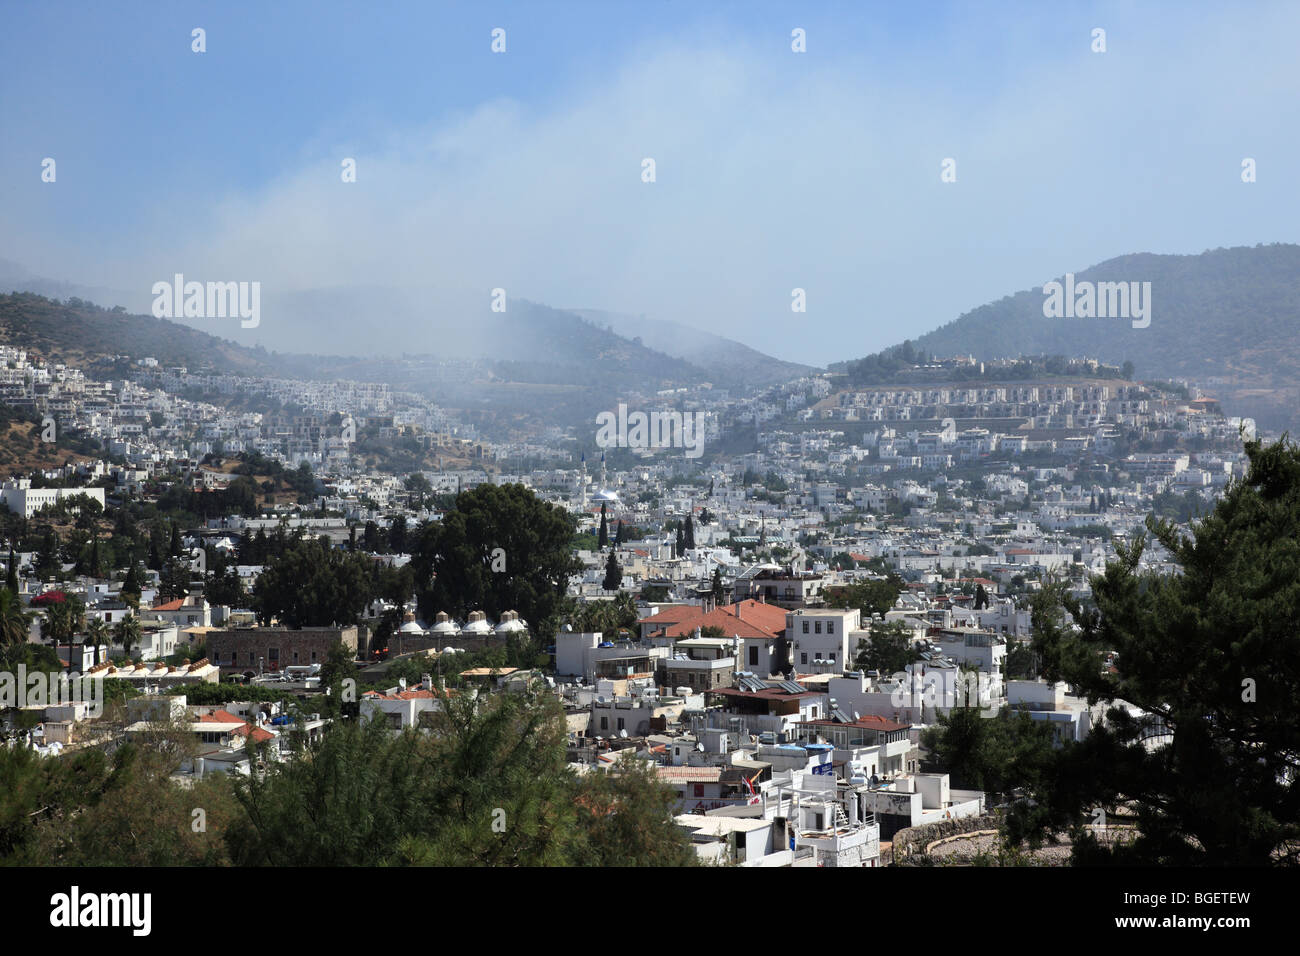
[1223,313]
[1226,318]
[85,334]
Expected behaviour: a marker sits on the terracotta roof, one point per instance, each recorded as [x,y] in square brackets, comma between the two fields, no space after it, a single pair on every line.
[169,606]
[669,612]
[755,619]
[696,774]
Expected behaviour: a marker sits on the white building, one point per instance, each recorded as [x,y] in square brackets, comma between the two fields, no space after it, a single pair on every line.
[21,498]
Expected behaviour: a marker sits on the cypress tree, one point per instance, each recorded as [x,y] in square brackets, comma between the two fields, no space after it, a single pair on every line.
[131,583]
[603,538]
[613,574]
[11,576]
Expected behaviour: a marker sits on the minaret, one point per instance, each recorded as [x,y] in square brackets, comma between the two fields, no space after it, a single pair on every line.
[582,482]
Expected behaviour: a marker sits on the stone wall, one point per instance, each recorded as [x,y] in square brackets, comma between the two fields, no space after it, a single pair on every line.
[914,842]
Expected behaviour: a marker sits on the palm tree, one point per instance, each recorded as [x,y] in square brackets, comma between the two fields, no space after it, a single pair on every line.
[59,623]
[15,620]
[128,633]
[97,632]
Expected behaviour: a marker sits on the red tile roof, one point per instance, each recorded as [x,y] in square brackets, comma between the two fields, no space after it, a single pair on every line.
[413,694]
[747,618]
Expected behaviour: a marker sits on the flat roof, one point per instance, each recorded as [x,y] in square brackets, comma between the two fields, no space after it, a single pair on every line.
[768,693]
[718,826]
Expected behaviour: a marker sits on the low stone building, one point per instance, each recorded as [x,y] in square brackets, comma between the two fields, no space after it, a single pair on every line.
[269,650]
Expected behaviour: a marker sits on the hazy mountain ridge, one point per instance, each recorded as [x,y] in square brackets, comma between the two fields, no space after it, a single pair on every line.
[716,355]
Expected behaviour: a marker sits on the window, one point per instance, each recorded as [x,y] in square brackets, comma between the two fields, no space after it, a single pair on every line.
[817,627]
[803,658]
[604,723]
[830,627]
[805,627]
[620,724]
[832,655]
[753,655]
[699,789]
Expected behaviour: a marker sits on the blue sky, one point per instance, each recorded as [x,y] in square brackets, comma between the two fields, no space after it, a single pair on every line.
[521,170]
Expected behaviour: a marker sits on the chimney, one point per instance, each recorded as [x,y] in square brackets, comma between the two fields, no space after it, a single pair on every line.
[739,606]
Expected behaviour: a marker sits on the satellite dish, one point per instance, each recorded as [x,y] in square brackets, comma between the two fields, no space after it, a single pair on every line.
[623,734]
[700,747]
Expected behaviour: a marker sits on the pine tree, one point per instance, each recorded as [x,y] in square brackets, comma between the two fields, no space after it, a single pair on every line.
[1202,750]
[603,538]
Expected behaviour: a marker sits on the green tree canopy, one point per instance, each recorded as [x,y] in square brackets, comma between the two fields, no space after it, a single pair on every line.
[310,585]
[870,597]
[887,651]
[453,558]
[1210,657]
